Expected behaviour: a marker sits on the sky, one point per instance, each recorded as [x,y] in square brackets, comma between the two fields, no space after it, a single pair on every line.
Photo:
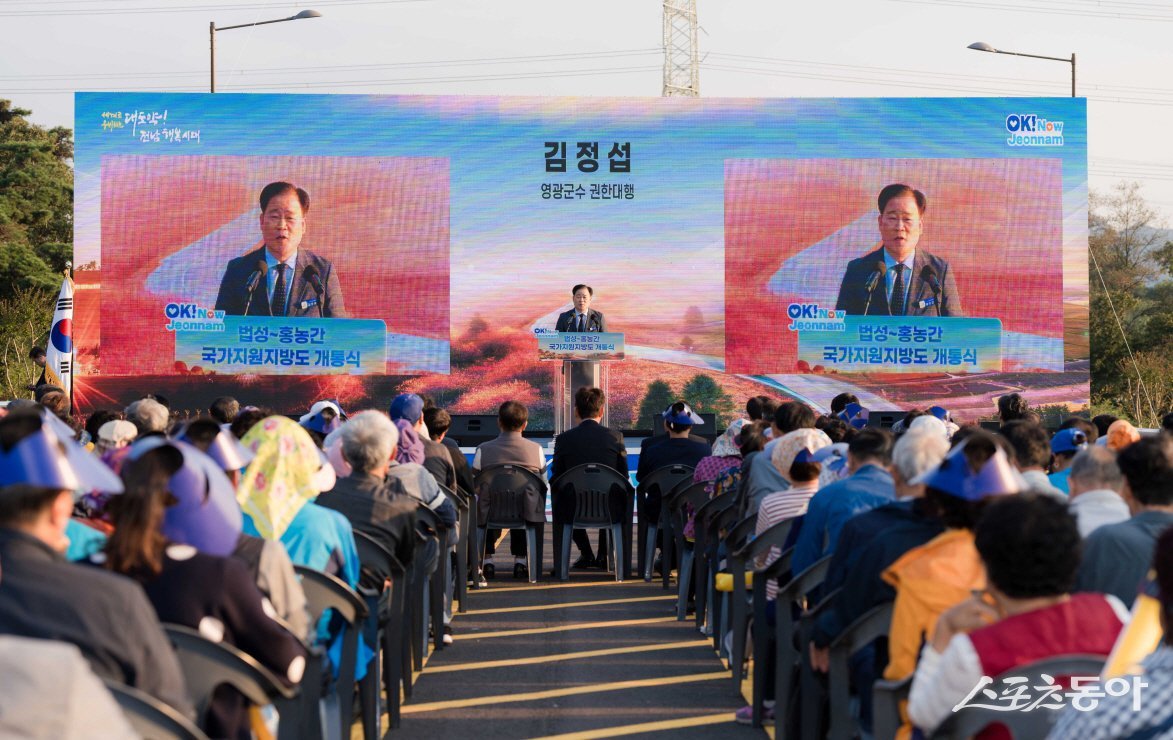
[748,48]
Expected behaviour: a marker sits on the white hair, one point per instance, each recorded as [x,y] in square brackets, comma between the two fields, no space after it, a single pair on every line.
[368,440]
[148,415]
[917,451]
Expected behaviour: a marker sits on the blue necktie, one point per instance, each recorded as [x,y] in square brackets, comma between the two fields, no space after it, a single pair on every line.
[277,304]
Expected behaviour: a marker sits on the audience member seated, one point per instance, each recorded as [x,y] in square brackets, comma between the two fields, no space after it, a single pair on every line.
[438,421]
[869,453]
[761,408]
[840,402]
[149,416]
[511,448]
[1115,715]
[1117,556]
[1064,445]
[410,408]
[51,693]
[873,540]
[1121,434]
[678,447]
[373,504]
[1095,482]
[223,410]
[1032,454]
[276,493]
[793,455]
[589,442]
[1102,422]
[214,595]
[763,478]
[944,571]
[248,417]
[42,596]
[1030,547]
[322,418]
[1012,407]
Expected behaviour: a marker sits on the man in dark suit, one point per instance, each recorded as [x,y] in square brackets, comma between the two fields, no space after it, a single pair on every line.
[581,318]
[913,282]
[295,281]
[589,442]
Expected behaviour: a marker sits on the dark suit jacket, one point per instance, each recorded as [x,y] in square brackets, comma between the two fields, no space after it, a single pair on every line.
[596,322]
[380,508]
[233,296]
[853,296]
[671,452]
[589,442]
[439,463]
[460,463]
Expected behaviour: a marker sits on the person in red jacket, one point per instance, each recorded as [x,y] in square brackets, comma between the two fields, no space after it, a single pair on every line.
[1030,546]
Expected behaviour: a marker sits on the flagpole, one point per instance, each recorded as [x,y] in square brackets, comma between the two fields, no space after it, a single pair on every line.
[72,347]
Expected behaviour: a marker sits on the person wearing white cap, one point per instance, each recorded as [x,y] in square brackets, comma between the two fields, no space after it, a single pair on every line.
[105,615]
[114,435]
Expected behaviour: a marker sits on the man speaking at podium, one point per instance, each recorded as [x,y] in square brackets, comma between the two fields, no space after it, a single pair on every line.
[281,278]
[581,318]
[898,279]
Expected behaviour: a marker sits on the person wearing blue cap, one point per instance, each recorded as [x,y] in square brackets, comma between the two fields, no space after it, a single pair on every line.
[680,447]
[1064,445]
[41,595]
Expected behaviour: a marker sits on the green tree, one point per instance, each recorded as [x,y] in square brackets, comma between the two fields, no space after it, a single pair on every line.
[706,396]
[36,201]
[1130,323]
[655,400]
[24,323]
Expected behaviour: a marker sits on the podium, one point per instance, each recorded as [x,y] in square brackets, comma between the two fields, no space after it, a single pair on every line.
[584,358]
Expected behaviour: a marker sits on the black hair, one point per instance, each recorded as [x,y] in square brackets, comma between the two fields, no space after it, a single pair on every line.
[1147,465]
[273,189]
[793,415]
[36,353]
[1030,442]
[805,472]
[588,402]
[437,420]
[1030,545]
[896,190]
[872,444]
[1103,421]
[224,409]
[1078,422]
[838,403]
[1011,407]
[248,417]
[201,432]
[1167,422]
[512,416]
[836,429]
[95,421]
[959,513]
[752,437]
[580,286]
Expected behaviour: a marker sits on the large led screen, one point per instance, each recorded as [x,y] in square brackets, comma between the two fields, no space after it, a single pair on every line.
[911,251]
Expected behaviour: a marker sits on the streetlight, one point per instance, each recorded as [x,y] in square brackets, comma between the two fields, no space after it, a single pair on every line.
[212,33]
[983,46]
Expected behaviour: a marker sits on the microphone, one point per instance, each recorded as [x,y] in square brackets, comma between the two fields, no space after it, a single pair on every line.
[311,275]
[878,272]
[929,275]
[253,280]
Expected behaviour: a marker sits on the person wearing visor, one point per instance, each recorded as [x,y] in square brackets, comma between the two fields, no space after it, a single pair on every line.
[175,528]
[322,418]
[268,563]
[42,595]
[1064,446]
[944,571]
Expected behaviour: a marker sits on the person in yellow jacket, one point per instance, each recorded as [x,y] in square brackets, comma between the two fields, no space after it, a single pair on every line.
[947,569]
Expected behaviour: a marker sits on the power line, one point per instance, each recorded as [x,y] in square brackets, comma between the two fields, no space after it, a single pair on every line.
[573,56]
[1065,8]
[282,8]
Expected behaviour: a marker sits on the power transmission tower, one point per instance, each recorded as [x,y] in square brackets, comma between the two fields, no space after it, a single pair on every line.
[681,67]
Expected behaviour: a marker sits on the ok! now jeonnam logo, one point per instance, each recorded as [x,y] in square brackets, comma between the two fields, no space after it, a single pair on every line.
[1028,129]
[809,317]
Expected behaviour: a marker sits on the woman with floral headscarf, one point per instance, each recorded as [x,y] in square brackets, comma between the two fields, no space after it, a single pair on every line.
[724,457]
[277,491]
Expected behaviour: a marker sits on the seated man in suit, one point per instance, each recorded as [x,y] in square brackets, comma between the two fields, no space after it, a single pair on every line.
[294,281]
[510,448]
[582,317]
[589,442]
[898,279]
